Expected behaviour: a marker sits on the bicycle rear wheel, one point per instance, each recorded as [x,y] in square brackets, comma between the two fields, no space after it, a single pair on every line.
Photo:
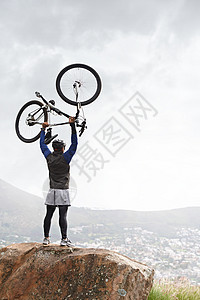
[26,128]
[84,78]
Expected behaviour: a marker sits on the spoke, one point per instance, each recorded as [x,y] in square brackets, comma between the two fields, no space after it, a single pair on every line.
[84,80]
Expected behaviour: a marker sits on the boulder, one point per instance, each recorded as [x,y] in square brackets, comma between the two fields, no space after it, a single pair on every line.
[33,271]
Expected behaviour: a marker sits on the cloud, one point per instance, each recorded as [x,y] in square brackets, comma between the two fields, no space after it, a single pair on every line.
[150,46]
[64,23]
[186,21]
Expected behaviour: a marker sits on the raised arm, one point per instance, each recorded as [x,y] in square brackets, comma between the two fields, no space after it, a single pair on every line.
[45,150]
[74,142]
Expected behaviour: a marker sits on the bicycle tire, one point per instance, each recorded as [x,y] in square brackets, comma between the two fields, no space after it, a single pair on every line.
[91,72]
[18,118]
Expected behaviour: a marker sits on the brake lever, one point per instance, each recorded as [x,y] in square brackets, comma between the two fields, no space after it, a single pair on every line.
[83,127]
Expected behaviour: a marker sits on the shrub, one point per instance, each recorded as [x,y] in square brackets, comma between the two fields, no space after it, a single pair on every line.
[174,290]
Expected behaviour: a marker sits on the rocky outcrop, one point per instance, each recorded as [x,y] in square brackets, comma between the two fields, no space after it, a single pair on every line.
[33,271]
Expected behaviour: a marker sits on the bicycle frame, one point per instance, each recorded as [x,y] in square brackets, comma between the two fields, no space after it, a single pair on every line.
[49,106]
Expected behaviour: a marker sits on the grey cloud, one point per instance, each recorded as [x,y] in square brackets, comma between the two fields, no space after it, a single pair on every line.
[91,24]
[187,22]
[52,23]
[126,16]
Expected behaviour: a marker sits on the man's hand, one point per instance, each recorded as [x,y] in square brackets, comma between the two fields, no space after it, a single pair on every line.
[72,124]
[45,124]
[71,120]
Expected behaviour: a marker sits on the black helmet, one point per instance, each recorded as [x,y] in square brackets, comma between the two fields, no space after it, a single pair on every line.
[58,145]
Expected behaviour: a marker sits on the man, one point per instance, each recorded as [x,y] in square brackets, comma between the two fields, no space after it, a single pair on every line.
[58,196]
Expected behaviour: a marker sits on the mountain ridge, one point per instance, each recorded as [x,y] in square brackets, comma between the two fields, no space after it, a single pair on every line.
[22,213]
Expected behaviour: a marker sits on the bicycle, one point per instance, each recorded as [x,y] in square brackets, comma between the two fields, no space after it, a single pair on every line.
[77,84]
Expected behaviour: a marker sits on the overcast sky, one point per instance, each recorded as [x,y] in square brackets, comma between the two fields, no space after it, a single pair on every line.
[147,46]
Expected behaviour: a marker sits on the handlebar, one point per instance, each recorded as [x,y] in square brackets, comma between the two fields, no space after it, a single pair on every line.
[83,127]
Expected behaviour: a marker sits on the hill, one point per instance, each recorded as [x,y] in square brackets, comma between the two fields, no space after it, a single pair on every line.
[161,222]
[22,214]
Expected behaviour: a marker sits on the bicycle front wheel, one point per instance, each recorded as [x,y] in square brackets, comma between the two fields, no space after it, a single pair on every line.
[29,115]
[78,83]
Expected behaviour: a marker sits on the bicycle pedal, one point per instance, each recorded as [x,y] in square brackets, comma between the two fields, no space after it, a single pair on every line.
[48,140]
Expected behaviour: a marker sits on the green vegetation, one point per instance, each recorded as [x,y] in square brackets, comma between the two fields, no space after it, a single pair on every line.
[174,290]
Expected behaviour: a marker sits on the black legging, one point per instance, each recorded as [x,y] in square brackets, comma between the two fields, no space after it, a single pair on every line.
[62,219]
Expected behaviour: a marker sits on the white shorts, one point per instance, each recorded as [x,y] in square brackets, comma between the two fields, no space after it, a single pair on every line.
[58,197]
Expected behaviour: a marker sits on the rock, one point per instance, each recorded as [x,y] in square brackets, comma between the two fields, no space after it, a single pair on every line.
[33,271]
